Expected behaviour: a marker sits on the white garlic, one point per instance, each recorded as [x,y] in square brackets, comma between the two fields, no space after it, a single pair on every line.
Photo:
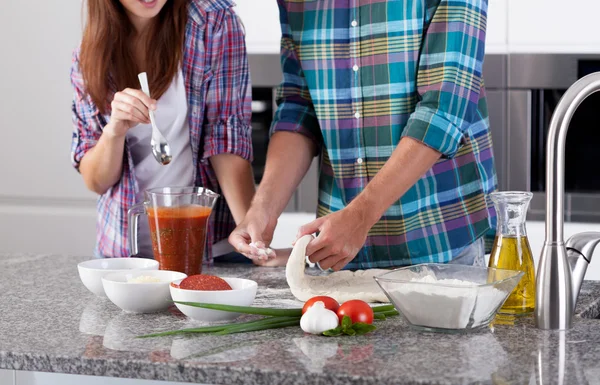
[318,319]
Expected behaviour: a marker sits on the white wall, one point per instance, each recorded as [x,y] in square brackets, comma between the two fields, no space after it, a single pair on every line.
[541,26]
[553,26]
[44,206]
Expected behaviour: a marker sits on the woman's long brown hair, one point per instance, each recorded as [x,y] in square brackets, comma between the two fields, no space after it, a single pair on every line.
[106,60]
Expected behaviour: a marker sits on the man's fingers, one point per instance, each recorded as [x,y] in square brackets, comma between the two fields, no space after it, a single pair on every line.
[310,228]
[240,243]
[340,264]
[319,255]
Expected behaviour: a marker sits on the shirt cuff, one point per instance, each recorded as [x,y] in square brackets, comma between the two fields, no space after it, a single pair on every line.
[435,131]
[81,148]
[231,137]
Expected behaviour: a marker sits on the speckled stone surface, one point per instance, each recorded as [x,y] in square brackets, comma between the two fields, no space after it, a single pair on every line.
[50,322]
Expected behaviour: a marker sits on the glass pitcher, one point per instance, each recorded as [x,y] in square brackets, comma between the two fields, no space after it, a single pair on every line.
[177,217]
[511,249]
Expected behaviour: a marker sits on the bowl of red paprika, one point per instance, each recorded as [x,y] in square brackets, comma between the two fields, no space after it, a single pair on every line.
[209,289]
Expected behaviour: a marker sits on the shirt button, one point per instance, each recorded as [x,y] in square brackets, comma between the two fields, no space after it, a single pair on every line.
[357,115]
[359,160]
[354,23]
[355,68]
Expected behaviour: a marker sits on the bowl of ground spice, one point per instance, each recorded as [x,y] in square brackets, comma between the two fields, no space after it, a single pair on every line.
[448,298]
[210,289]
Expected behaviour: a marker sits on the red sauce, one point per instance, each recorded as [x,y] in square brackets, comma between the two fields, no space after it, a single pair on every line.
[204,282]
[178,237]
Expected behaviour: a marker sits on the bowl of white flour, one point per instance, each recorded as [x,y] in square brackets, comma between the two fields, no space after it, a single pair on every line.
[448,298]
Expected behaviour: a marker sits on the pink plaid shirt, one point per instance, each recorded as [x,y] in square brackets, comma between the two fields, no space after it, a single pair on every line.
[217,82]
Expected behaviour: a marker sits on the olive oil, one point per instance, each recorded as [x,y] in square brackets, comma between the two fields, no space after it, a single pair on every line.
[514,253]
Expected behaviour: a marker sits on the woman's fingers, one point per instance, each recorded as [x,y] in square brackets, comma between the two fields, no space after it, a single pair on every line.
[134,102]
[124,111]
[141,96]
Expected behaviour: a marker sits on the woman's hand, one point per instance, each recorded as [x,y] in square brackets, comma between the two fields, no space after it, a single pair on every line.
[129,108]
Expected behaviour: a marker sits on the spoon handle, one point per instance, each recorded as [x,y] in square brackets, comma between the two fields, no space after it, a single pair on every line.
[146,89]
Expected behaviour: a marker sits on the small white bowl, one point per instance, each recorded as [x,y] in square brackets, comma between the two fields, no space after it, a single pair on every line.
[92,271]
[147,297]
[243,293]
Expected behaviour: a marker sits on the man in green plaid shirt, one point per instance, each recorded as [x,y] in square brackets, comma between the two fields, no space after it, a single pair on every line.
[390,95]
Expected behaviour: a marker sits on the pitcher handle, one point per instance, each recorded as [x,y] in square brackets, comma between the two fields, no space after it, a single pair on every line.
[134,213]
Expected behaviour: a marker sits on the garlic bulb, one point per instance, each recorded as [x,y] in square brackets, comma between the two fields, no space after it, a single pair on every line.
[318,319]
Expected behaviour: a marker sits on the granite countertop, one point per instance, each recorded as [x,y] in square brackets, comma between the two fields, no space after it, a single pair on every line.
[50,322]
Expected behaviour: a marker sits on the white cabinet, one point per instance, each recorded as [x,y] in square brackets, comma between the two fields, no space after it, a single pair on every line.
[261,21]
[553,26]
[496,34]
[44,206]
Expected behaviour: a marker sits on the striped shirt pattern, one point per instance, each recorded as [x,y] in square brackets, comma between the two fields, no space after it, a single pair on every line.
[361,74]
[217,83]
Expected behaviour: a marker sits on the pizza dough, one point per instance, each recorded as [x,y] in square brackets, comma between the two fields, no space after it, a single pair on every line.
[341,285]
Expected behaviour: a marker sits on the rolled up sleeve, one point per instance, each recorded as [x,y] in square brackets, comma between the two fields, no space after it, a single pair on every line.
[449,78]
[86,131]
[227,127]
[295,110]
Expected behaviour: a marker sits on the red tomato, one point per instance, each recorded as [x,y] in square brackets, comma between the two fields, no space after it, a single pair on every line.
[357,310]
[329,302]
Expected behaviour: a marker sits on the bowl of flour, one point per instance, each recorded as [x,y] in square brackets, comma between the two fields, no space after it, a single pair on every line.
[448,298]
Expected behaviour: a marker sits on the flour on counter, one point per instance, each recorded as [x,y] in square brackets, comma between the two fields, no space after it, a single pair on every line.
[447,307]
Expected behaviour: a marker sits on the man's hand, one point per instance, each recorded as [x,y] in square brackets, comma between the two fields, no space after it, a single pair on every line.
[257,229]
[281,258]
[341,236]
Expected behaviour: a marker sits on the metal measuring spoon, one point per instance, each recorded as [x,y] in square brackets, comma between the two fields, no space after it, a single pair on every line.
[160,147]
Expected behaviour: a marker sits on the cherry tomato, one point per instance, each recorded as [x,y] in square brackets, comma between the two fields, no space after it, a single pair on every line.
[329,302]
[357,310]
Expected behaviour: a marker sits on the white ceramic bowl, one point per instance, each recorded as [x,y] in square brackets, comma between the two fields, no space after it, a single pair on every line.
[150,297]
[243,293]
[92,271]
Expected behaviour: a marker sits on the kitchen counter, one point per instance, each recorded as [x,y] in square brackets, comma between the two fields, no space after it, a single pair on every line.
[49,322]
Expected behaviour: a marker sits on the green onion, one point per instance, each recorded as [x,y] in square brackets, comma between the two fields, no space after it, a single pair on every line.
[390,313]
[252,328]
[208,329]
[379,316]
[246,309]
[382,308]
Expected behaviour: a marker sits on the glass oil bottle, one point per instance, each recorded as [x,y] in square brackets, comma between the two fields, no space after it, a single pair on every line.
[511,249]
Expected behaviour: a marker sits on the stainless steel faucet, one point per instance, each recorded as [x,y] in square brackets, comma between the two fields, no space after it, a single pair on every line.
[562,266]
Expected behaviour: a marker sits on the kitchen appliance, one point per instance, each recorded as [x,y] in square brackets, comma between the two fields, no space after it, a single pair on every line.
[535,85]
[262,116]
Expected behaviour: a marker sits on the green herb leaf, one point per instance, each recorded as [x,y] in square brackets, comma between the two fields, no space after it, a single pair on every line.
[346,323]
[349,332]
[362,328]
[333,332]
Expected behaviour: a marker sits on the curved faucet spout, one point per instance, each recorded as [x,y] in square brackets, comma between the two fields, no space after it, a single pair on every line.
[580,248]
[555,294]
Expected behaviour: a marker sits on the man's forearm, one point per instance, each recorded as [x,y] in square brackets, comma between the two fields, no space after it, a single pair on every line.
[408,163]
[288,159]
[236,181]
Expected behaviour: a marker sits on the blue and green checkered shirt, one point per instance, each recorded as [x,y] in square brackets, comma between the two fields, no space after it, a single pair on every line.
[361,74]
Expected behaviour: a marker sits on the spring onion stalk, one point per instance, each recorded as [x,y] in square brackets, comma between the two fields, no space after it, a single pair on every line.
[382,308]
[253,328]
[216,328]
[247,309]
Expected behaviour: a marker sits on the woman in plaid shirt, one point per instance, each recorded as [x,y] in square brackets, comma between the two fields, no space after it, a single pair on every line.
[194,54]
